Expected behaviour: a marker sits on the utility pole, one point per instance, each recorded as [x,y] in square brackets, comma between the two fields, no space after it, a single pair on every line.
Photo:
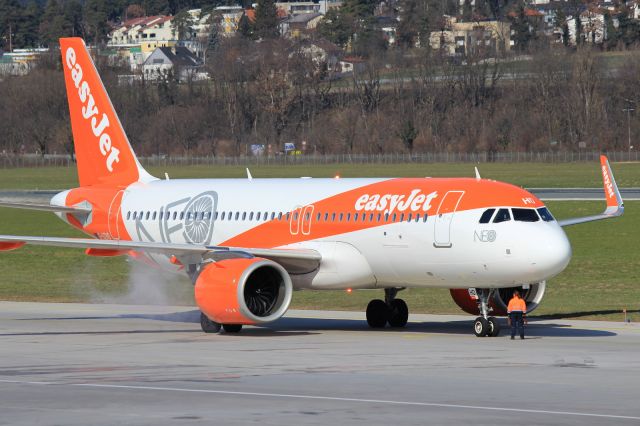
[628,111]
[10,39]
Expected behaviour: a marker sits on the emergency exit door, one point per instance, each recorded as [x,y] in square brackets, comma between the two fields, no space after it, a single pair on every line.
[444,218]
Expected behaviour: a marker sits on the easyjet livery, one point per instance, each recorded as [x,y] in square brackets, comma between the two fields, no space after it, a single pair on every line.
[247,244]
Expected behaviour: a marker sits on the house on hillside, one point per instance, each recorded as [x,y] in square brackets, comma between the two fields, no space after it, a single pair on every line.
[467,38]
[300,25]
[177,61]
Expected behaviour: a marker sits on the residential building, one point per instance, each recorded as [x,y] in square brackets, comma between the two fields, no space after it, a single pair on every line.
[177,61]
[298,26]
[467,38]
[145,29]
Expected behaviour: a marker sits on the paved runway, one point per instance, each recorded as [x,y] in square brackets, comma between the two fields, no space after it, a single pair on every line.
[74,364]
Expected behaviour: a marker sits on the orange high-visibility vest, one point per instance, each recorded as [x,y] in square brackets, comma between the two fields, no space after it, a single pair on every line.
[517,304]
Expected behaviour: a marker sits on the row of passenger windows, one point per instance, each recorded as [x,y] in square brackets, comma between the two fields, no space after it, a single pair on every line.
[520,215]
[264,216]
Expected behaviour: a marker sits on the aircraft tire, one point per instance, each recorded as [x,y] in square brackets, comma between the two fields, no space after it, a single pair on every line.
[494,327]
[207,325]
[398,313]
[377,313]
[232,328]
[481,327]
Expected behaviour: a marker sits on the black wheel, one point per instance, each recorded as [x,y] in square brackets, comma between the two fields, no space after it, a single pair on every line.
[232,328]
[377,313]
[398,313]
[494,327]
[481,327]
[207,325]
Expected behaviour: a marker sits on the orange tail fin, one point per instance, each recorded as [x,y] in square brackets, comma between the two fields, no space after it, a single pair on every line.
[103,152]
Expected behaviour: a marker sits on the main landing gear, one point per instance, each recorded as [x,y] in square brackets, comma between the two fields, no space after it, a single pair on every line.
[485,325]
[390,310]
[209,326]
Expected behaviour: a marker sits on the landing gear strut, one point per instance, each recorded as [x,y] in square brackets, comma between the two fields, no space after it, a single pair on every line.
[485,325]
[391,310]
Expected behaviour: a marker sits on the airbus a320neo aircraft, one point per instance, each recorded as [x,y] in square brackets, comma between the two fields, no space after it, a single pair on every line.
[247,244]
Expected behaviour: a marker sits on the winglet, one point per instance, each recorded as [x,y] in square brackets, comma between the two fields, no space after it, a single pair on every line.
[615,205]
[477,174]
[249,174]
[611,192]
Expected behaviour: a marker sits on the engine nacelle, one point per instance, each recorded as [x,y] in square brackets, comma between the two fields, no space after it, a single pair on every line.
[243,291]
[532,296]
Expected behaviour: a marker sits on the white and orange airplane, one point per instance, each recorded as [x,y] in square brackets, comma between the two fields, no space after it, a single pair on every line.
[247,244]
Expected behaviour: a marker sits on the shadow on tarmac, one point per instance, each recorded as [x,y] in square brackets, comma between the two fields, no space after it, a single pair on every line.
[299,326]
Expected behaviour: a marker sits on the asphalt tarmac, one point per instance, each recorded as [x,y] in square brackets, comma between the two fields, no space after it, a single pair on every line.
[80,364]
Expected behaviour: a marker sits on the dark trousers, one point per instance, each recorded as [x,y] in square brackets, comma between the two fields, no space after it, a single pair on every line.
[516,322]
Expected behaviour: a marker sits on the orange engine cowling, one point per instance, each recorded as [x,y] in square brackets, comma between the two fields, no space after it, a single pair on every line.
[498,303]
[243,291]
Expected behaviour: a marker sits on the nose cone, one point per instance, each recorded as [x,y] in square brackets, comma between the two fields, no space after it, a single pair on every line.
[553,251]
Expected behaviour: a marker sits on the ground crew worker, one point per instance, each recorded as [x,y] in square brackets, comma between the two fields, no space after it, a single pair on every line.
[517,309]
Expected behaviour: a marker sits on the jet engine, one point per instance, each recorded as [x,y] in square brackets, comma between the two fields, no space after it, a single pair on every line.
[243,291]
[498,303]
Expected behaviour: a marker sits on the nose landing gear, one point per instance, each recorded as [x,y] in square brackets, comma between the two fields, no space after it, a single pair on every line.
[390,310]
[485,325]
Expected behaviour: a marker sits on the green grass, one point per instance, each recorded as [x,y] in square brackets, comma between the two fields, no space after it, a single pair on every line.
[529,175]
[601,280]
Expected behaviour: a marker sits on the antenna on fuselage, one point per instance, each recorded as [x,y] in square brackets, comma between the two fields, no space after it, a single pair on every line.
[477,174]
[249,174]
[166,175]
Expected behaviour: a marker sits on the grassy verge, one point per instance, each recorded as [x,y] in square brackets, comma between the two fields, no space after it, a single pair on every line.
[529,175]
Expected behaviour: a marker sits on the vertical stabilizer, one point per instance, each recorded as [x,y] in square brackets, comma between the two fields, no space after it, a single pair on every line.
[103,152]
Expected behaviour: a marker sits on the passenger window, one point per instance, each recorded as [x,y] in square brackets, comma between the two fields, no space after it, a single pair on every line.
[355,217]
[545,214]
[147,215]
[244,215]
[326,217]
[237,216]
[288,216]
[525,215]
[486,216]
[175,215]
[135,214]
[371,217]
[424,219]
[417,217]
[215,216]
[181,215]
[273,215]
[128,215]
[348,217]
[502,216]
[379,216]
[409,218]
[222,217]
[386,217]
[341,216]
[251,216]
[154,215]
[333,217]
[402,217]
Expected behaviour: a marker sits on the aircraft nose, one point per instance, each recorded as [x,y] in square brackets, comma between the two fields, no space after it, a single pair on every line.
[553,253]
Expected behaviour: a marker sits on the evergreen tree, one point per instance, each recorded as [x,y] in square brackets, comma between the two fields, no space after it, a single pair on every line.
[73,17]
[245,29]
[27,32]
[336,27]
[183,25]
[9,21]
[266,24]
[95,16]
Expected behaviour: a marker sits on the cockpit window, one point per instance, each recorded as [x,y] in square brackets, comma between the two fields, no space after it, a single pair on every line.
[486,216]
[545,214]
[503,215]
[525,215]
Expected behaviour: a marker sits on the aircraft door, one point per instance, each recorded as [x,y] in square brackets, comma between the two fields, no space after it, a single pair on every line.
[444,217]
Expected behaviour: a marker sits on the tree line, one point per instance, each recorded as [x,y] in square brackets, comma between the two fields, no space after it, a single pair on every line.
[271,92]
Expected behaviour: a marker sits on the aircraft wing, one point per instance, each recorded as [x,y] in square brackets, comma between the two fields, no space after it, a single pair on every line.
[46,207]
[293,260]
[615,205]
